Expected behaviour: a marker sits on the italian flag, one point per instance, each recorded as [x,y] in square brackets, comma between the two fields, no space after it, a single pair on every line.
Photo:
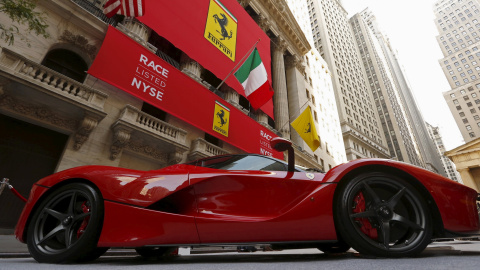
[254,79]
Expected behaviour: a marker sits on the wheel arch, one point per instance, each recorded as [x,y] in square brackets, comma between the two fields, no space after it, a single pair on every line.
[51,190]
[438,228]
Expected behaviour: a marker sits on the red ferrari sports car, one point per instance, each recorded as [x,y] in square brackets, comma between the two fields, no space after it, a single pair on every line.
[378,207]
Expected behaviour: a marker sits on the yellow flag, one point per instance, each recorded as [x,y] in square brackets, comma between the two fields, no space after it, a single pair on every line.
[305,127]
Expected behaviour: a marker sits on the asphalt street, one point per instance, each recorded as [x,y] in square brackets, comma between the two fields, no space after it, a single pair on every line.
[440,255]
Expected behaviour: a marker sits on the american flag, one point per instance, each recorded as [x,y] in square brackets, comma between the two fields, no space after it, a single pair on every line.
[129,8]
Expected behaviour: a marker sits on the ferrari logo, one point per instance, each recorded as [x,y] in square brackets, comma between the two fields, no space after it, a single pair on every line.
[221,29]
[221,119]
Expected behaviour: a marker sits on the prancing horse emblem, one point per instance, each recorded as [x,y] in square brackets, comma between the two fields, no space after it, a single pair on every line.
[220,115]
[223,22]
[309,128]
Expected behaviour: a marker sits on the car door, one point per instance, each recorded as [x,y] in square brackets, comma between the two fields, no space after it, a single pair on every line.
[237,205]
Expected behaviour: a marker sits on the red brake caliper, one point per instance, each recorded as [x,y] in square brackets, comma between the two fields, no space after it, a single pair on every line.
[366,226]
[84,224]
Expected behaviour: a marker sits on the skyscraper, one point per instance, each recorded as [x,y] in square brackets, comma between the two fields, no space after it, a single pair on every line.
[405,128]
[393,116]
[333,38]
[448,165]
[458,24]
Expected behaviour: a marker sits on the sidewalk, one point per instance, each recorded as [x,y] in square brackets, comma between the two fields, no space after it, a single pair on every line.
[11,247]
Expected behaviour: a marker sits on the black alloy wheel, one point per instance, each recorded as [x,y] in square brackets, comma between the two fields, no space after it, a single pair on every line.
[66,226]
[383,215]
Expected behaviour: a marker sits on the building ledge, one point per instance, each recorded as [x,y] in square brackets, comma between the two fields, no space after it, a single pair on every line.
[144,134]
[201,149]
[30,90]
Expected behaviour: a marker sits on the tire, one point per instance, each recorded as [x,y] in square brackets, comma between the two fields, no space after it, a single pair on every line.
[66,226]
[382,215]
[93,255]
[152,252]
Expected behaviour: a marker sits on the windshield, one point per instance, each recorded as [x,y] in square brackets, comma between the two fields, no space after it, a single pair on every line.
[243,162]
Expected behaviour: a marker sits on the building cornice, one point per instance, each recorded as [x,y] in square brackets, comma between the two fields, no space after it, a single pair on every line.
[281,16]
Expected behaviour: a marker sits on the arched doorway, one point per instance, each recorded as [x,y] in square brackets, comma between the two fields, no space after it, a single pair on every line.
[27,154]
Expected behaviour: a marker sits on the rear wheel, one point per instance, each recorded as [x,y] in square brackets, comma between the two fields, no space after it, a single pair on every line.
[382,215]
[66,226]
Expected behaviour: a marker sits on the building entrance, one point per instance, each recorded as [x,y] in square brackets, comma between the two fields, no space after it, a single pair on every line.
[27,153]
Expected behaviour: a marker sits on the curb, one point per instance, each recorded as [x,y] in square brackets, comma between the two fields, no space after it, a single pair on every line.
[111,253]
[14,255]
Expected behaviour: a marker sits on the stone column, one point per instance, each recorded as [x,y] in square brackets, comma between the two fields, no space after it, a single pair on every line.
[262,118]
[296,89]
[136,29]
[282,123]
[467,178]
[232,97]
[191,68]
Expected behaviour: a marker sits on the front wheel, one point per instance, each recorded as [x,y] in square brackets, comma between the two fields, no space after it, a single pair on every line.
[66,226]
[383,215]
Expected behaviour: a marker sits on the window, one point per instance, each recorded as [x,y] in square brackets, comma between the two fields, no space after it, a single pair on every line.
[154,111]
[468,127]
[67,63]
[243,162]
[213,140]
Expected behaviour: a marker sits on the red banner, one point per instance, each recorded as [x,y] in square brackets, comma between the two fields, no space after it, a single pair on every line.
[123,63]
[203,29]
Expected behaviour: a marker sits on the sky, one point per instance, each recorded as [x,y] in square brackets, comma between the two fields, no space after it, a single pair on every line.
[410,26]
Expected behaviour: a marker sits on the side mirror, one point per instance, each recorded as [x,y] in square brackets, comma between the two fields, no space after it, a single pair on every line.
[282,145]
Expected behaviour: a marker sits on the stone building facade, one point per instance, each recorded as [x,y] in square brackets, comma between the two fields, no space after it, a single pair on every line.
[467,160]
[458,25]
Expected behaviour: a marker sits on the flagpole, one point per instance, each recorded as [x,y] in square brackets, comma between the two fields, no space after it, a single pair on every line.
[241,61]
